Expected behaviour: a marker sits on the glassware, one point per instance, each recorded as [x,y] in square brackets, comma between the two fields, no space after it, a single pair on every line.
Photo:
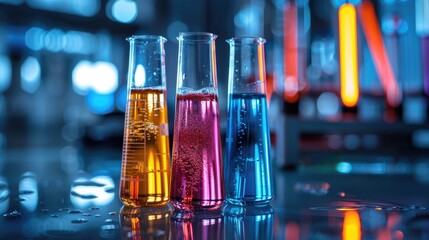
[146,155]
[248,170]
[197,172]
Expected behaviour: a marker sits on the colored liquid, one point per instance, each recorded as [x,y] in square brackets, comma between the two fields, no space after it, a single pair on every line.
[248,173]
[197,173]
[146,158]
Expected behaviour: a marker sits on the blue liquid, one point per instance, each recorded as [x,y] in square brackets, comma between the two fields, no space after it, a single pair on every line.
[248,172]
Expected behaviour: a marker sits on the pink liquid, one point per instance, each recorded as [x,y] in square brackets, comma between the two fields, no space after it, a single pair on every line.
[197,172]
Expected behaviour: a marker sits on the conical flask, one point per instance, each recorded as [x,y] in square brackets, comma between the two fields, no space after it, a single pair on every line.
[248,170]
[146,156]
[197,172]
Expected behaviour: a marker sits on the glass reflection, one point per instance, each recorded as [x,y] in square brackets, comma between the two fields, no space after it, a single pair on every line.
[145,223]
[201,225]
[248,222]
[351,226]
[97,191]
[28,191]
[4,195]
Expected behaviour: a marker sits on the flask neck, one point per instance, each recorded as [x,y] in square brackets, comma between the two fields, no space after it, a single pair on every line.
[246,65]
[146,62]
[196,61]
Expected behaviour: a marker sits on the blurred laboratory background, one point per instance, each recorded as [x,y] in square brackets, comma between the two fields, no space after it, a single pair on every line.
[348,90]
[63,71]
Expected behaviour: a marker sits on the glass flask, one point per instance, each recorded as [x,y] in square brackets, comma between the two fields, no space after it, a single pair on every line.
[197,172]
[248,170]
[146,154]
[145,223]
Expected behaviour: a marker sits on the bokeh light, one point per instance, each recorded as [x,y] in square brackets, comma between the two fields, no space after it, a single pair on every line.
[5,73]
[100,103]
[30,74]
[124,11]
[101,77]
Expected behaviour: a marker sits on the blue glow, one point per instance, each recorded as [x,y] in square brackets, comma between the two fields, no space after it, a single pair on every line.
[121,98]
[421,138]
[344,167]
[54,40]
[422,17]
[34,38]
[30,75]
[328,104]
[414,110]
[338,3]
[77,7]
[124,11]
[100,103]
[5,73]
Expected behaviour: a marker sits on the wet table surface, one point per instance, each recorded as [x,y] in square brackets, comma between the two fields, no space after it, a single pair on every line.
[73,194]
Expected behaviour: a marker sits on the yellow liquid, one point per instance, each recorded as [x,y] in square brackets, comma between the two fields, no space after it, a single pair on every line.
[145,173]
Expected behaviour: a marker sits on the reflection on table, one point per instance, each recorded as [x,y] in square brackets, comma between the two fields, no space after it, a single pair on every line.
[310,203]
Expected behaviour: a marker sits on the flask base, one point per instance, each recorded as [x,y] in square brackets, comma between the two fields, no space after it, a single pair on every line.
[143,202]
[196,205]
[249,202]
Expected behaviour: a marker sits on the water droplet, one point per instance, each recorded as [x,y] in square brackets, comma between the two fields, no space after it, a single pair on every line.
[54,215]
[94,208]
[13,214]
[75,211]
[114,213]
[79,220]
[109,220]
[86,214]
[109,190]
[45,210]
[64,209]
[97,215]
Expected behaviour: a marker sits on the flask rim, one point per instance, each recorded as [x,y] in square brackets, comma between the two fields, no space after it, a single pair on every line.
[148,38]
[246,40]
[197,36]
